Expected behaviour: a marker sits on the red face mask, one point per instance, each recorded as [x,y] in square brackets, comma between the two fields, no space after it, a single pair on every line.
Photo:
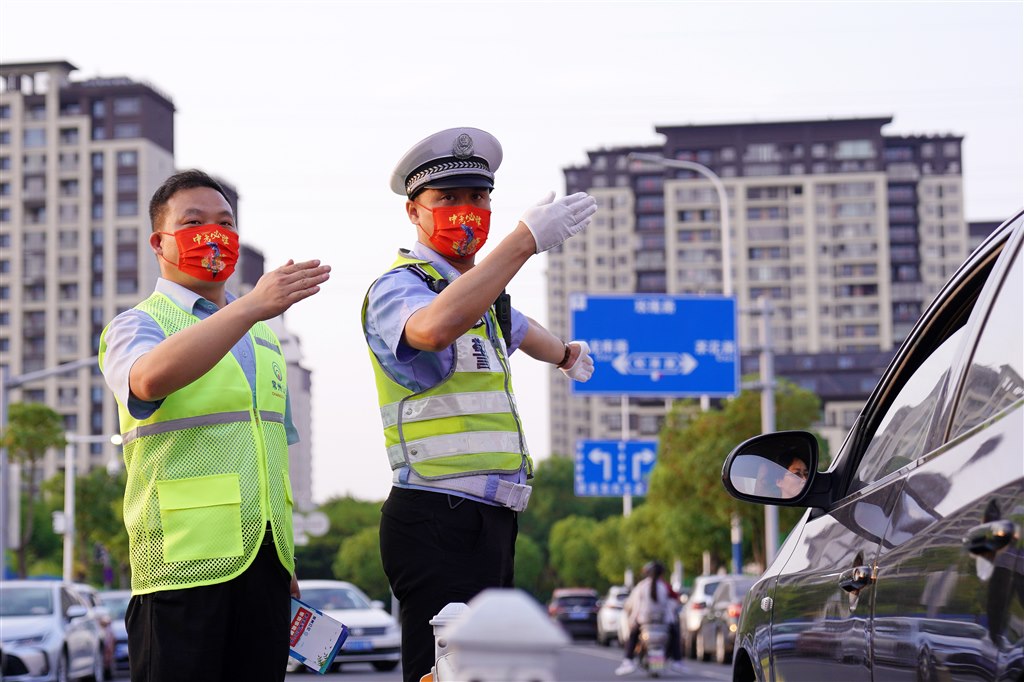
[206,252]
[459,231]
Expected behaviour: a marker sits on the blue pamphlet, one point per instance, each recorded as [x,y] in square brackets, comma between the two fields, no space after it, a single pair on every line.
[315,637]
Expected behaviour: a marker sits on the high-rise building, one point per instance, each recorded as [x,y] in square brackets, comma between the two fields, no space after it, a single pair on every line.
[847,232]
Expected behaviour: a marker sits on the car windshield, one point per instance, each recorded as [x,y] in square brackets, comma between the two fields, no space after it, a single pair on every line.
[577,601]
[117,604]
[333,598]
[26,601]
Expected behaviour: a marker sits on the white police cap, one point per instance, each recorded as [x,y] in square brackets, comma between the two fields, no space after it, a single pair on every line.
[457,157]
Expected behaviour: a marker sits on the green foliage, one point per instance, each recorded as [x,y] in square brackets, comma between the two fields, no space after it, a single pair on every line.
[529,564]
[359,562]
[574,553]
[554,498]
[32,429]
[689,509]
[347,517]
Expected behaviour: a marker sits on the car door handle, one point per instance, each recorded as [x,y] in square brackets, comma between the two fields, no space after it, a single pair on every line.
[856,579]
[989,538]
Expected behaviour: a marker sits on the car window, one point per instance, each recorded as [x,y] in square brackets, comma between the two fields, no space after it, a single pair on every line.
[28,601]
[327,599]
[994,378]
[901,434]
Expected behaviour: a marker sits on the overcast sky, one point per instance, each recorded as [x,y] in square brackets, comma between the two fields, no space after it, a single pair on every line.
[306,106]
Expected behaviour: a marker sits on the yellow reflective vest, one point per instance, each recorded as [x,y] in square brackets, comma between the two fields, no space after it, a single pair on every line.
[208,469]
[468,422]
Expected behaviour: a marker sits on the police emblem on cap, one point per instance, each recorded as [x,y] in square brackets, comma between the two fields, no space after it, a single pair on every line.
[462,148]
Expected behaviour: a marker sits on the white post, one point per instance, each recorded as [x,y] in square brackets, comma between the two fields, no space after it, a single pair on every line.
[69,511]
[771,512]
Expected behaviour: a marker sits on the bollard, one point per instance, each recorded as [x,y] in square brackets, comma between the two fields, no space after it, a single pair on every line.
[502,636]
[444,617]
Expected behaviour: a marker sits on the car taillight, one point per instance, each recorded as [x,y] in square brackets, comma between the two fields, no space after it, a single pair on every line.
[734,610]
[699,607]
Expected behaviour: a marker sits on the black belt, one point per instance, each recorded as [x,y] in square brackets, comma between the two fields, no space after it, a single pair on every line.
[268,537]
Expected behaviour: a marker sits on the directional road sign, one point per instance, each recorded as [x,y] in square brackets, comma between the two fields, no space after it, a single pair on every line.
[612,468]
[658,345]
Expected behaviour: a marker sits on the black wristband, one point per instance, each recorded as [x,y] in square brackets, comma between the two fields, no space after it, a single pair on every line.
[565,358]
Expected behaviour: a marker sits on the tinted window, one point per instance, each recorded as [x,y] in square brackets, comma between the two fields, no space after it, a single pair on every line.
[994,378]
[901,435]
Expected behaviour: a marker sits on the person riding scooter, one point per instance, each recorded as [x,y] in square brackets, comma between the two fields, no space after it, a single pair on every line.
[649,602]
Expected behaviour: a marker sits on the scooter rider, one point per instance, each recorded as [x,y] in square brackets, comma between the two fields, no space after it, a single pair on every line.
[650,601]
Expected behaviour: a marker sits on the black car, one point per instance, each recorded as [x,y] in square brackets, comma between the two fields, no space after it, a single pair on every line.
[909,562]
[575,609]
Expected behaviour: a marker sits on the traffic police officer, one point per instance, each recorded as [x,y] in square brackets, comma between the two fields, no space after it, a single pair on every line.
[440,330]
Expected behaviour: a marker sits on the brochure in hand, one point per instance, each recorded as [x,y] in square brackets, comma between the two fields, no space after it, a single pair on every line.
[315,637]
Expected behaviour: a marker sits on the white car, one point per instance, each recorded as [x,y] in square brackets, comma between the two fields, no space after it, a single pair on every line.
[374,635]
[46,633]
[609,615]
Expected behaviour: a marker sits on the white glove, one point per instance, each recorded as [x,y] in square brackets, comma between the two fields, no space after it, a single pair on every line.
[552,222]
[582,367]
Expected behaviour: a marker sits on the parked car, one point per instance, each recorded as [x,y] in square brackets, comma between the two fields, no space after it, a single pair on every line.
[47,633]
[918,520]
[374,634]
[575,609]
[690,617]
[116,602]
[100,615]
[716,633]
[609,615]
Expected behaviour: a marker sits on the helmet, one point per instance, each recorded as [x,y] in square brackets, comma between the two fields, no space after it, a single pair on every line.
[654,569]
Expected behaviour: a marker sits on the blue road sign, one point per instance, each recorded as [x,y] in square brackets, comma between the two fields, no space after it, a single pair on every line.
[612,468]
[658,345]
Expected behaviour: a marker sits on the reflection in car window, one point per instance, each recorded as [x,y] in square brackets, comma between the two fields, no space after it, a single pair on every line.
[25,601]
[994,378]
[901,435]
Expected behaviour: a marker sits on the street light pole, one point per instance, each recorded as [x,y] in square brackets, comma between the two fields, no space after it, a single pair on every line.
[9,494]
[74,439]
[723,206]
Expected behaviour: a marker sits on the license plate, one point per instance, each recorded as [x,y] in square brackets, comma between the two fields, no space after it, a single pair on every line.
[578,616]
[656,661]
[357,645]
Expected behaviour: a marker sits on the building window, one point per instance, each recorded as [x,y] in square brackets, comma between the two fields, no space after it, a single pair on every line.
[124,131]
[5,217]
[97,160]
[127,159]
[5,136]
[5,189]
[34,137]
[69,136]
[761,152]
[819,150]
[5,110]
[127,106]
[127,184]
[855,149]
[99,132]
[99,108]
[5,163]
[127,208]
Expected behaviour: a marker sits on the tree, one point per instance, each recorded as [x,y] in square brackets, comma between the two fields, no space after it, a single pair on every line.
[33,428]
[574,553]
[690,509]
[359,562]
[347,516]
[529,565]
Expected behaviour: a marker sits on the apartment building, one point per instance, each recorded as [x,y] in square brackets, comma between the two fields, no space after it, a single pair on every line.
[846,231]
[79,161]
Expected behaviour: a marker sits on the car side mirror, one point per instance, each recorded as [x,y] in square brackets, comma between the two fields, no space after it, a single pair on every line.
[75,611]
[777,468]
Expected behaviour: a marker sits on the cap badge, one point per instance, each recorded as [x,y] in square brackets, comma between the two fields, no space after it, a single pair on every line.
[463,147]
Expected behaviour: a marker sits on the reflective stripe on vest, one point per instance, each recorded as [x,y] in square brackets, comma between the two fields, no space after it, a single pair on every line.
[466,424]
[207,470]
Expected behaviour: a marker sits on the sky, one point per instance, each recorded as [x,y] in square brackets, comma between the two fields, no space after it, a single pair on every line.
[305,107]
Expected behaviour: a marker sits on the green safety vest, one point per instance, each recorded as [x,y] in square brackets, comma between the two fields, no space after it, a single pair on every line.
[207,470]
[468,422]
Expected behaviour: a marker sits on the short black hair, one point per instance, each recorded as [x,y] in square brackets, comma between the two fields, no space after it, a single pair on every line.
[186,179]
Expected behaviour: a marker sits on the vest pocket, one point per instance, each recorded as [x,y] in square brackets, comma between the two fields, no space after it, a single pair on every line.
[201,517]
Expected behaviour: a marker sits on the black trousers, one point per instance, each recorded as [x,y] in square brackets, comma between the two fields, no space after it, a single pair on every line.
[439,549]
[236,630]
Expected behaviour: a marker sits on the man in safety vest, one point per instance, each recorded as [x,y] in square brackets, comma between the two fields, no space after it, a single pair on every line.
[202,396]
[440,329]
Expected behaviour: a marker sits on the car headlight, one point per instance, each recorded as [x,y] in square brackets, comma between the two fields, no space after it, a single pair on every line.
[25,641]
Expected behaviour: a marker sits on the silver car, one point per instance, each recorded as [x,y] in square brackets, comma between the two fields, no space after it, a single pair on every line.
[47,634]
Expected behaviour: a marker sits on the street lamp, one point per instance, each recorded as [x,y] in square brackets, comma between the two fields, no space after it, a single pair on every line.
[723,206]
[74,439]
[10,495]
[767,383]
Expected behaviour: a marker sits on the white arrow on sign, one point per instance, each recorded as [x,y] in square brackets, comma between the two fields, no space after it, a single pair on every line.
[654,364]
[641,457]
[604,458]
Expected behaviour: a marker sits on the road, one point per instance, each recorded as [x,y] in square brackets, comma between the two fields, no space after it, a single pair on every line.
[581,662]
